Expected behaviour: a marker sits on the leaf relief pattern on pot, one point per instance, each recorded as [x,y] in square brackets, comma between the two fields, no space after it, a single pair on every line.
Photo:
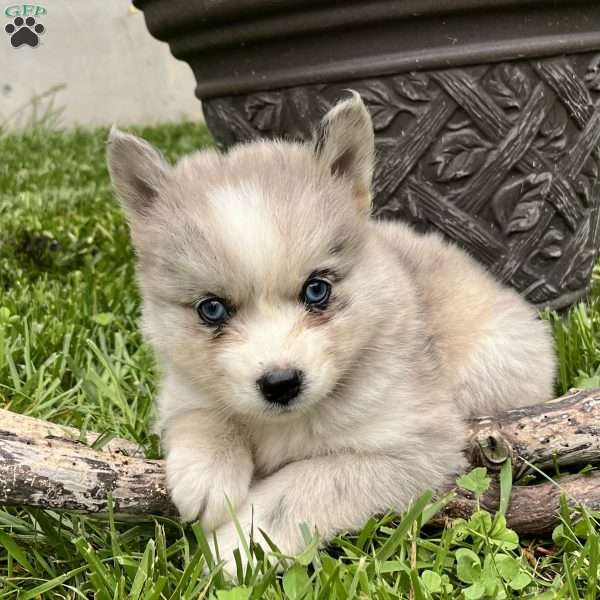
[504,159]
[509,87]
[517,205]
[592,77]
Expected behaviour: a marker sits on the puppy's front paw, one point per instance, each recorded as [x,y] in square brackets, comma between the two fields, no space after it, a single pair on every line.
[228,540]
[255,516]
[199,485]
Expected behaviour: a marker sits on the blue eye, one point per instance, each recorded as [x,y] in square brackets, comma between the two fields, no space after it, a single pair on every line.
[316,292]
[212,311]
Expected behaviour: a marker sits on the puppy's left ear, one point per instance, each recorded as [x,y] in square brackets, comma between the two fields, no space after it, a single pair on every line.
[137,170]
[345,145]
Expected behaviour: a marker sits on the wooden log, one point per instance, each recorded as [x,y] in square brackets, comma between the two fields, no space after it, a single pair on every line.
[47,465]
[22,426]
[560,433]
[533,509]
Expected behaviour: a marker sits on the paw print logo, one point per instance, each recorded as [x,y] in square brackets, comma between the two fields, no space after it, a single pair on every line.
[24,31]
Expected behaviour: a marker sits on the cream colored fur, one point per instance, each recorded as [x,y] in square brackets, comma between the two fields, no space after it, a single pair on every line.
[417,335]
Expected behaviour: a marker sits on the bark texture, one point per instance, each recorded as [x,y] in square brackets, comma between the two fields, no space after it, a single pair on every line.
[47,465]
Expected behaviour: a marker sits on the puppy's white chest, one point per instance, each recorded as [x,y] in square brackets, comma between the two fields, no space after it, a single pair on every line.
[277,445]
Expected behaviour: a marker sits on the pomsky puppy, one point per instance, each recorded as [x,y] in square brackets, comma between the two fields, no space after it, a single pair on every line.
[318,365]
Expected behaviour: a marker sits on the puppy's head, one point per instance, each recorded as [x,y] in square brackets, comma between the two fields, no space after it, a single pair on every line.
[253,265]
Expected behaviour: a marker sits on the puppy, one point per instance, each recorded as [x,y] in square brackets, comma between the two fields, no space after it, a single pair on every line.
[318,365]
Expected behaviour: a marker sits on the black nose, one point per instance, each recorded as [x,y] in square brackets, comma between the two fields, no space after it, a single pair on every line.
[281,385]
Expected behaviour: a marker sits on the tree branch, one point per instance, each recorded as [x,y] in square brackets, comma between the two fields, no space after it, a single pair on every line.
[47,465]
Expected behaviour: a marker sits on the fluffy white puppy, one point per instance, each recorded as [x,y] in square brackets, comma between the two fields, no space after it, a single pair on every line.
[318,365]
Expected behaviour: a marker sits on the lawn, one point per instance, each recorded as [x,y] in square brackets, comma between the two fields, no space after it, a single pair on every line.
[71,352]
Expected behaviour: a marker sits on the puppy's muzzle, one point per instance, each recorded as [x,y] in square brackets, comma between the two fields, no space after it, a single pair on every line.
[280,386]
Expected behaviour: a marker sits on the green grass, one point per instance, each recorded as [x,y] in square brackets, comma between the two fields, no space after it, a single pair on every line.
[71,352]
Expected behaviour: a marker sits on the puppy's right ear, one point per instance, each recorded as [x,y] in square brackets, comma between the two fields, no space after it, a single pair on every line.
[345,145]
[137,170]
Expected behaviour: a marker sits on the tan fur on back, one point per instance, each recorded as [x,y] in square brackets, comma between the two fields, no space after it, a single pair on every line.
[416,335]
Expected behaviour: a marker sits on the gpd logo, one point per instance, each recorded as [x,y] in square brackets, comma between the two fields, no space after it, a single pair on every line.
[25,27]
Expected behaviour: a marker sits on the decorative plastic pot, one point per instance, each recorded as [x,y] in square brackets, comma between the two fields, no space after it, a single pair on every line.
[487,112]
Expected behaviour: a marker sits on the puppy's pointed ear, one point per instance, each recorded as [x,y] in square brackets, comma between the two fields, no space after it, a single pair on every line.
[137,170]
[345,144]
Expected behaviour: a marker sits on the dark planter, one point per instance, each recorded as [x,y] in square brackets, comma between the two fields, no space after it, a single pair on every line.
[486,112]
